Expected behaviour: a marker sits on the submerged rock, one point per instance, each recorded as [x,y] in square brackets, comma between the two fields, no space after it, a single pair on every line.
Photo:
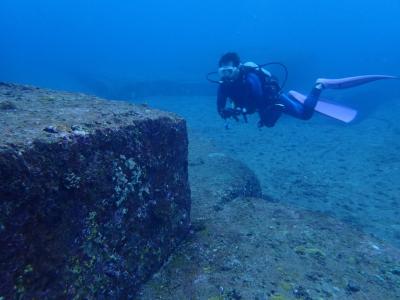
[91,207]
[7,105]
[218,176]
[257,249]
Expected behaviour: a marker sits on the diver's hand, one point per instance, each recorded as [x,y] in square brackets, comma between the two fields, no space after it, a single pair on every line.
[226,113]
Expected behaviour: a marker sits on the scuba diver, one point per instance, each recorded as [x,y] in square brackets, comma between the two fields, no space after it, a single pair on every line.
[251,88]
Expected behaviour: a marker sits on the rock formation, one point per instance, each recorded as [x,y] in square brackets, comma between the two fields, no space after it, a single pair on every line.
[94,194]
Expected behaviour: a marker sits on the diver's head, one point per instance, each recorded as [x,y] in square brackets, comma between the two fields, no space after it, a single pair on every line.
[229,65]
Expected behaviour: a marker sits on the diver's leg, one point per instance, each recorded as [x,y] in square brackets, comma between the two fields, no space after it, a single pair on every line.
[311,101]
[348,82]
[299,110]
[338,112]
[270,115]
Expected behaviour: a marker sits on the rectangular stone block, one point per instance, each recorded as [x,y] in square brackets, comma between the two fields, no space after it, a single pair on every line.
[94,194]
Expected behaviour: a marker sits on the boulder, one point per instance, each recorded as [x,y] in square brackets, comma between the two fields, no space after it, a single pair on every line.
[219,178]
[258,248]
[94,194]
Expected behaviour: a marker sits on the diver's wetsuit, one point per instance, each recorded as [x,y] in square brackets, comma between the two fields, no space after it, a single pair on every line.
[248,92]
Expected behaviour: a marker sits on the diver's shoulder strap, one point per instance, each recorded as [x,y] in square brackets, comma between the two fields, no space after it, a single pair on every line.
[252,66]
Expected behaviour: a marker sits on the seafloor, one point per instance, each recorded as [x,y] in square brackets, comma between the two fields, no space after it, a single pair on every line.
[257,249]
[326,228]
[349,171]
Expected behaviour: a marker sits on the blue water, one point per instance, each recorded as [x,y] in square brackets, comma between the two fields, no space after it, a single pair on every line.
[109,47]
[74,44]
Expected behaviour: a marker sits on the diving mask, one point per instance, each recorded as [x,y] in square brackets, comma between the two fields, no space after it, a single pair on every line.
[228,73]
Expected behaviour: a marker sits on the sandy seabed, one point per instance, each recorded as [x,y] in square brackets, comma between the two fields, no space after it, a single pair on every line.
[348,171]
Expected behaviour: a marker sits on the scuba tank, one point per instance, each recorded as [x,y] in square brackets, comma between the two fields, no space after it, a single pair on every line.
[269,82]
[264,74]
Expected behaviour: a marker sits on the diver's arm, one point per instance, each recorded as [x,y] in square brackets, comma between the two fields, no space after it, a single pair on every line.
[256,94]
[221,100]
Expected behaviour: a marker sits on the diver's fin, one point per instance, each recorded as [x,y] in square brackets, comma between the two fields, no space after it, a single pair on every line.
[348,82]
[338,112]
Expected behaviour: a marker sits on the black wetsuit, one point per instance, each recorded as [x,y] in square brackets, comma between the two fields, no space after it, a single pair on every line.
[249,92]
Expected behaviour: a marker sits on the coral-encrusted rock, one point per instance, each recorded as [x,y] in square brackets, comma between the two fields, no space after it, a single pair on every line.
[94,194]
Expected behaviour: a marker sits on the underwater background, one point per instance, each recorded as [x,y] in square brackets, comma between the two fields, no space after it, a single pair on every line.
[100,46]
[158,52]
